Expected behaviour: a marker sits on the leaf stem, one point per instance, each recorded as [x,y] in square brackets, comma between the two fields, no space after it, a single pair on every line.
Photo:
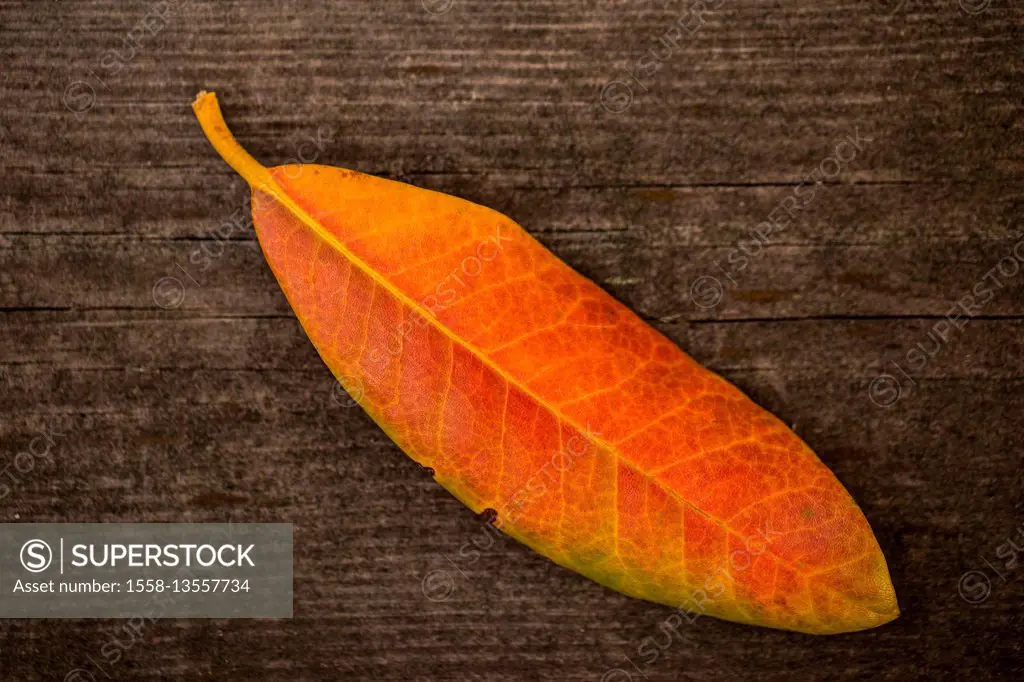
[212,120]
[260,178]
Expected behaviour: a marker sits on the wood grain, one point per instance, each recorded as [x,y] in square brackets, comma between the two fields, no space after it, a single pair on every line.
[139,320]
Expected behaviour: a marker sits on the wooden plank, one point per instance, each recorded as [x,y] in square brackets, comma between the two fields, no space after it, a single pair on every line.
[655,275]
[141,329]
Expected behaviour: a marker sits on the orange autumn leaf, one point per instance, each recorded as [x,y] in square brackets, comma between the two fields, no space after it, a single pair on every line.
[531,392]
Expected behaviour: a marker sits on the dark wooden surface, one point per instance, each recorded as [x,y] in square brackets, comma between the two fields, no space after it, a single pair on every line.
[197,398]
